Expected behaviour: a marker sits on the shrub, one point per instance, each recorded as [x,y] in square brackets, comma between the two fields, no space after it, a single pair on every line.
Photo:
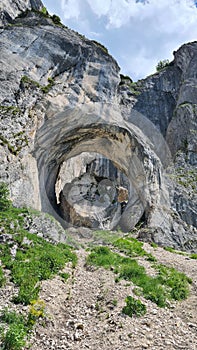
[5,203]
[102,256]
[44,11]
[2,278]
[65,276]
[162,64]
[134,307]
[36,311]
[56,19]
[10,317]
[14,338]
[193,256]
[101,46]
[169,249]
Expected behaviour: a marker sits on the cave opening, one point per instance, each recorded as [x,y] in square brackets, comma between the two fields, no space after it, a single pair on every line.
[91,191]
[98,174]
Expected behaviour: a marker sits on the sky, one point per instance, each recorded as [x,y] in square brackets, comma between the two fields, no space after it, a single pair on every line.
[137,33]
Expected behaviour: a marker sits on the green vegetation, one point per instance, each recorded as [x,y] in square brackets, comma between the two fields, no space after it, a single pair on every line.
[132,247]
[134,87]
[172,250]
[154,245]
[5,203]
[36,311]
[102,47]
[162,64]
[193,256]
[186,177]
[34,260]
[64,276]
[134,307]
[4,141]
[166,285]
[29,82]
[14,110]
[34,84]
[169,249]
[44,11]
[14,338]
[18,327]
[36,263]
[47,87]
[56,19]
[20,140]
[2,277]
[114,302]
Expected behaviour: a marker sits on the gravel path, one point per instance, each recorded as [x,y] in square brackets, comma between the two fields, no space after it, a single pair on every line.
[85,312]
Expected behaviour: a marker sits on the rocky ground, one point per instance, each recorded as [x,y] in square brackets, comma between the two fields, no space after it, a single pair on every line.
[85,312]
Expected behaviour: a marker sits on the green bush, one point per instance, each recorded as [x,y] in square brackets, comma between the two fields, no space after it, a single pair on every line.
[177,281]
[36,311]
[162,64]
[2,278]
[10,317]
[102,256]
[64,275]
[5,203]
[44,11]
[130,246]
[14,338]
[193,256]
[56,19]
[134,307]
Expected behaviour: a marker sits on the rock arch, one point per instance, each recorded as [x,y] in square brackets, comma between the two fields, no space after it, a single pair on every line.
[101,129]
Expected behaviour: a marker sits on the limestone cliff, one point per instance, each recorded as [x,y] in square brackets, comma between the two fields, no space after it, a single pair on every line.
[63,105]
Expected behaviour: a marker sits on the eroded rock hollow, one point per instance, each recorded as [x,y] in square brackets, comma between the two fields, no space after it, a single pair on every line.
[120,164]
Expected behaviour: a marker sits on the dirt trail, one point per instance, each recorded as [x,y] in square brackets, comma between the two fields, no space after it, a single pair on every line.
[85,312]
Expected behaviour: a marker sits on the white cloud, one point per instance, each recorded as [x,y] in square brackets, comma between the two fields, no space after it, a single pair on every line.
[70,8]
[169,14]
[137,34]
[100,8]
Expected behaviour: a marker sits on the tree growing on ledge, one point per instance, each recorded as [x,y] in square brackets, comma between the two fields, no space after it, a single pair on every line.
[162,64]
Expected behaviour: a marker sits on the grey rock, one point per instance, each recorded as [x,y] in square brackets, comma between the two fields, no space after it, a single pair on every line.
[9,9]
[44,226]
[61,97]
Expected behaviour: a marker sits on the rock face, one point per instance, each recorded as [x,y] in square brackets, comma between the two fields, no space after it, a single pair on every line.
[64,104]
[10,9]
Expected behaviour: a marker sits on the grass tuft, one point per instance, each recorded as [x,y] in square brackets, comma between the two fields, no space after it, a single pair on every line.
[166,285]
[134,307]
[193,256]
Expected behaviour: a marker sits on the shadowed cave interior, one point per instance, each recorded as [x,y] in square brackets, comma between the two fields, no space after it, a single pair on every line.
[91,191]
